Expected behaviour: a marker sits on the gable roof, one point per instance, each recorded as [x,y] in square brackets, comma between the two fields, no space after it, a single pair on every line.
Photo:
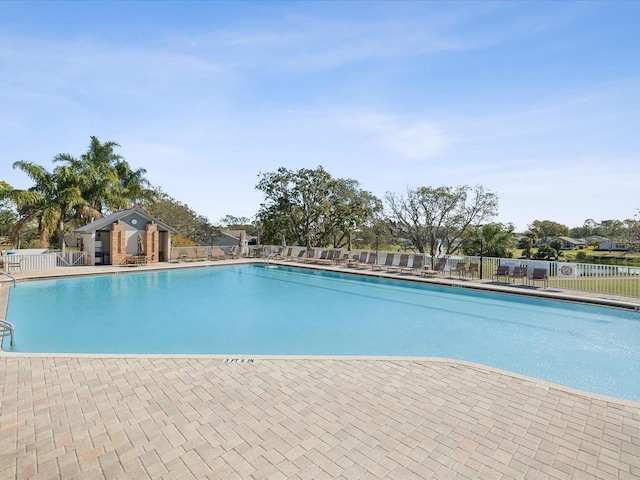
[572,241]
[104,222]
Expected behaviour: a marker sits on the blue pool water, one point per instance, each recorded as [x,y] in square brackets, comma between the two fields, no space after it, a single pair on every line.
[286,311]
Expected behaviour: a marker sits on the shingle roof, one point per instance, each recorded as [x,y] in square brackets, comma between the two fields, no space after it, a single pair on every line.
[104,222]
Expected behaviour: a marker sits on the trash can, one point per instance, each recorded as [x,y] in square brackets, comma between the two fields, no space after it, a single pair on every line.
[107,258]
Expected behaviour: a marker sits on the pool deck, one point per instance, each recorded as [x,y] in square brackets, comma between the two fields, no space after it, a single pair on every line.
[177,417]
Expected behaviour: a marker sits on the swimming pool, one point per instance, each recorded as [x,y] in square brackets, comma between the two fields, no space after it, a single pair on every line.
[254,310]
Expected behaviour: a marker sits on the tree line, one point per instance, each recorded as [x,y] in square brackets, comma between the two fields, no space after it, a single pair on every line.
[300,207]
[310,207]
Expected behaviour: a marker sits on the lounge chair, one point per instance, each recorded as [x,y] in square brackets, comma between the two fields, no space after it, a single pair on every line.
[437,268]
[387,263]
[295,258]
[372,260]
[177,256]
[503,271]
[322,258]
[310,256]
[233,252]
[327,257]
[416,265]
[287,256]
[216,254]
[334,257]
[339,258]
[402,263]
[356,260]
[519,272]
[539,275]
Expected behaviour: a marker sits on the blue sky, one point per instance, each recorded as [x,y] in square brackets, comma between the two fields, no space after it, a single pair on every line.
[537,101]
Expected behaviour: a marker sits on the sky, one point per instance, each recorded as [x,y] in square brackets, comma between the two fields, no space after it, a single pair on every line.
[538,102]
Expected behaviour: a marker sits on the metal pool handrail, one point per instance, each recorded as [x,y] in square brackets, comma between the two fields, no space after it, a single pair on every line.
[10,276]
[270,257]
[7,330]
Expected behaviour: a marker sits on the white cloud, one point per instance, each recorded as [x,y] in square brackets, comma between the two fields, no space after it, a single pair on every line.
[408,137]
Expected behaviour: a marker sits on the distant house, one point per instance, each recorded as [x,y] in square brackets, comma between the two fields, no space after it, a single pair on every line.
[231,238]
[603,243]
[613,246]
[118,237]
[569,243]
[596,239]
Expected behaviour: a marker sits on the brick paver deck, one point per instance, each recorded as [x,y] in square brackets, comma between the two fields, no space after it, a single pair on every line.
[300,418]
[175,418]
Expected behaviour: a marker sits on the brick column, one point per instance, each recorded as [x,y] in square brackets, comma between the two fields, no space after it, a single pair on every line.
[152,242]
[118,244]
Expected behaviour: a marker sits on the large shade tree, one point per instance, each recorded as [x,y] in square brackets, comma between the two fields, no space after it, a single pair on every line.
[193,229]
[542,229]
[434,220]
[310,207]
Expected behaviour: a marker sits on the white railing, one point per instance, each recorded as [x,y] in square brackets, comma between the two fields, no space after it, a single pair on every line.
[622,281]
[43,261]
[72,259]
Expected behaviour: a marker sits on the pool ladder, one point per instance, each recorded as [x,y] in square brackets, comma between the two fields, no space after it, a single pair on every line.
[269,258]
[6,331]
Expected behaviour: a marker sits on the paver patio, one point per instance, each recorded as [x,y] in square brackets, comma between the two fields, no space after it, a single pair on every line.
[175,418]
[282,418]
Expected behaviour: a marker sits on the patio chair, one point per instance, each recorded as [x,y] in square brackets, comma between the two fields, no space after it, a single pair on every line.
[461,269]
[387,263]
[503,271]
[13,263]
[473,270]
[519,272]
[402,263]
[539,275]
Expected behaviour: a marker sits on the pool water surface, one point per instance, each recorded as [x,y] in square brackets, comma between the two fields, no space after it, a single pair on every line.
[253,310]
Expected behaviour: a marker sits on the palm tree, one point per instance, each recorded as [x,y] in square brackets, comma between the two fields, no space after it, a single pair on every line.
[106,180]
[492,240]
[50,201]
